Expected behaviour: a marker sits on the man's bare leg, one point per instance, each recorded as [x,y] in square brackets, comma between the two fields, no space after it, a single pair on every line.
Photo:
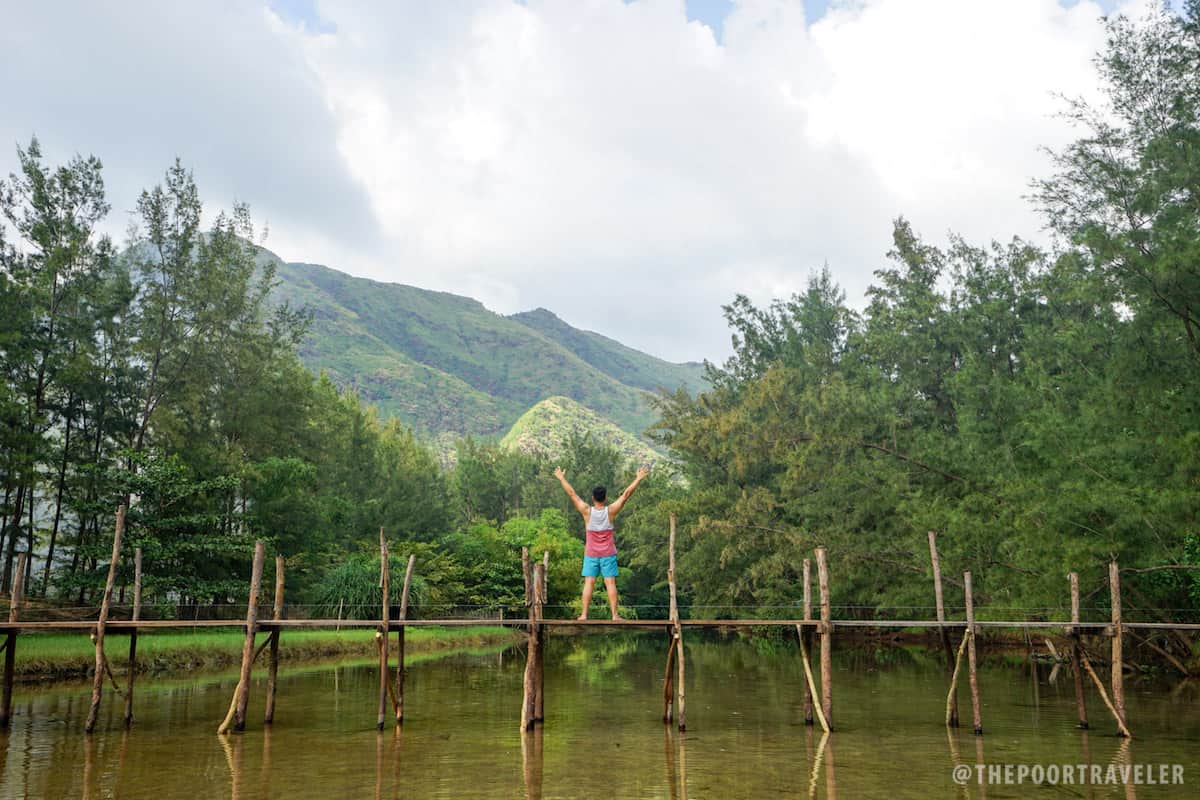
[588,585]
[610,585]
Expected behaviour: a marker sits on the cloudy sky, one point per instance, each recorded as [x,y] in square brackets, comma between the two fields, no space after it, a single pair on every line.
[629,165]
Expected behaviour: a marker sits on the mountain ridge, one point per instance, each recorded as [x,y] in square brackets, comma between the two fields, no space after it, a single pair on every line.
[445,364]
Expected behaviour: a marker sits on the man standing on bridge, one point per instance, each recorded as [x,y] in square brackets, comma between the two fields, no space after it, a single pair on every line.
[600,552]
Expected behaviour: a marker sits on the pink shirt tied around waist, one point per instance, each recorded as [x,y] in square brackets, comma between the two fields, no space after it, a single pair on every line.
[599,534]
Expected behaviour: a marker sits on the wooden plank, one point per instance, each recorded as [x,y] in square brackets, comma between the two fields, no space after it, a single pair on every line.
[101,663]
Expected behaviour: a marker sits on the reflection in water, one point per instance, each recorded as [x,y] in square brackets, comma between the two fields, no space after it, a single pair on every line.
[232,745]
[672,773]
[532,762]
[1123,758]
[266,761]
[979,760]
[682,766]
[459,741]
[90,788]
[824,757]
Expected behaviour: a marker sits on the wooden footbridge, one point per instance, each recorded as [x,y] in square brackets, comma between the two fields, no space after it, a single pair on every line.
[391,685]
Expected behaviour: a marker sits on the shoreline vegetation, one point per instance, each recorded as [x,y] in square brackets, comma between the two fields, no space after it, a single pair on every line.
[68,656]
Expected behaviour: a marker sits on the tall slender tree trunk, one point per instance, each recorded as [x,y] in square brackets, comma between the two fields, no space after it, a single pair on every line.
[62,480]
[14,531]
[4,516]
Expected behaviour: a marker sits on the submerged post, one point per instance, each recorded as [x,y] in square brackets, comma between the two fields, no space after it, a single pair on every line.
[530,688]
[1077,652]
[672,631]
[133,634]
[539,709]
[943,633]
[972,673]
[384,632]
[10,641]
[273,653]
[1118,664]
[408,573]
[243,687]
[826,638]
[806,636]
[101,663]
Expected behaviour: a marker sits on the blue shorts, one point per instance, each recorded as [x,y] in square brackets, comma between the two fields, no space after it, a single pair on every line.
[599,565]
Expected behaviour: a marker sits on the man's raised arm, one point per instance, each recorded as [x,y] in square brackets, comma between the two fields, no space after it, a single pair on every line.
[619,503]
[580,506]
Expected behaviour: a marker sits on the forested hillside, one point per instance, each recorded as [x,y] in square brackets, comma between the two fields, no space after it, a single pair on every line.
[550,428]
[443,363]
[1038,407]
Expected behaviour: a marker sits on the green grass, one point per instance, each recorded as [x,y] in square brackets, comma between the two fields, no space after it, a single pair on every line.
[60,655]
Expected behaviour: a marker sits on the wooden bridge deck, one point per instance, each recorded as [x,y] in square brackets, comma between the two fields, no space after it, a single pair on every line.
[126,626]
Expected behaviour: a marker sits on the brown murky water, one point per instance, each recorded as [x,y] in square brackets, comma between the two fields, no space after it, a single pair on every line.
[603,737]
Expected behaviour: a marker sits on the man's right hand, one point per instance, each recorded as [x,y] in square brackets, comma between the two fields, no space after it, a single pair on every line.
[558,473]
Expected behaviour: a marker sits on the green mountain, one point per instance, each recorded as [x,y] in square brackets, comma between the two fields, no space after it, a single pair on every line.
[546,428]
[629,366]
[445,364]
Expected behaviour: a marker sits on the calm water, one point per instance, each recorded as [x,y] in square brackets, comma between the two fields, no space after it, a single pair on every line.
[603,737]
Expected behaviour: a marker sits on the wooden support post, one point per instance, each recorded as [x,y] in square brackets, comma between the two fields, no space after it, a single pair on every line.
[673,646]
[529,698]
[681,668]
[826,638]
[10,641]
[1077,652]
[133,635]
[408,573]
[539,709]
[273,653]
[384,630]
[943,632]
[243,687]
[972,673]
[1118,662]
[101,663]
[806,636]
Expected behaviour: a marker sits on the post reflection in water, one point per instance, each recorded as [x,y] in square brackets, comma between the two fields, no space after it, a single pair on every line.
[532,761]
[1087,759]
[89,767]
[823,757]
[672,772]
[979,760]
[266,761]
[1124,758]
[233,746]
[682,766]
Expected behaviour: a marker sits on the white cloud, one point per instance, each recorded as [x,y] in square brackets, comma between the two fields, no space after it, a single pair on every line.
[608,160]
[613,162]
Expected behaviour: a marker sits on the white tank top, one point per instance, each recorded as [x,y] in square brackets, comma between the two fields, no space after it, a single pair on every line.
[598,519]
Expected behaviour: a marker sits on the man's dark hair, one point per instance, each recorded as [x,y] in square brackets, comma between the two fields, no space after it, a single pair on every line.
[599,493]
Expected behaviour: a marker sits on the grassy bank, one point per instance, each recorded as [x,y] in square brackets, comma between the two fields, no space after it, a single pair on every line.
[60,656]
